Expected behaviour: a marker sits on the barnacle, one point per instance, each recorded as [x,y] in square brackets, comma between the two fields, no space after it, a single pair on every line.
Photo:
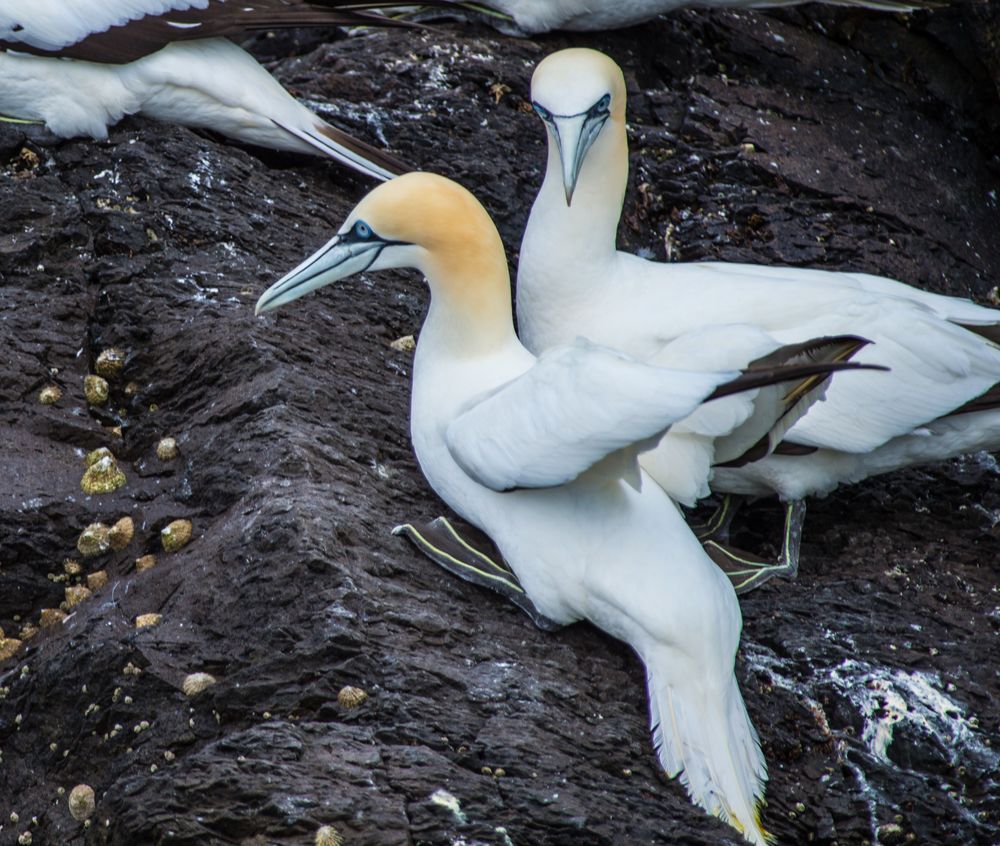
[121,533]
[110,362]
[94,540]
[96,389]
[166,449]
[351,697]
[81,802]
[175,535]
[49,394]
[195,683]
[102,475]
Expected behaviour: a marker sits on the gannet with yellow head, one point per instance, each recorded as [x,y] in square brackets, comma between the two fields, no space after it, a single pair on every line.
[79,66]
[540,453]
[940,399]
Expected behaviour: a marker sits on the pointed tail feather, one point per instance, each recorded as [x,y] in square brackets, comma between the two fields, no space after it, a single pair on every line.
[347,149]
[712,745]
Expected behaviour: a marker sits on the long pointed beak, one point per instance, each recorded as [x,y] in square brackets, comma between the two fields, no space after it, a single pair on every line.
[573,145]
[335,260]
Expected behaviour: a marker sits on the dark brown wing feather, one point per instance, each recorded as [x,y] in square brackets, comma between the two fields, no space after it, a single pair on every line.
[822,357]
[984,402]
[750,379]
[138,38]
[991,331]
[367,151]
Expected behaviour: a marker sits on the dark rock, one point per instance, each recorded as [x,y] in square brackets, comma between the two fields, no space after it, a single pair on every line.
[874,148]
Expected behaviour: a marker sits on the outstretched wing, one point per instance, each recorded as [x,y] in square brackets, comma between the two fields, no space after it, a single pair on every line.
[578,405]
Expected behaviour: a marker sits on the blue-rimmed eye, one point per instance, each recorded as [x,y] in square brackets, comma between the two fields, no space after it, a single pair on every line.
[542,112]
[601,106]
[362,230]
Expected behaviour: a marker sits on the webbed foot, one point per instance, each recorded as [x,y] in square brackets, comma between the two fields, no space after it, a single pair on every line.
[748,572]
[717,527]
[440,541]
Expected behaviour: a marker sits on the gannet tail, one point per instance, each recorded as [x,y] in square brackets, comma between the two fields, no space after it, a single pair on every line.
[345,148]
[711,744]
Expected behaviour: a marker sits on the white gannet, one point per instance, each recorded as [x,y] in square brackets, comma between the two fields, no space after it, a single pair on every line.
[540,453]
[79,66]
[941,398]
[537,16]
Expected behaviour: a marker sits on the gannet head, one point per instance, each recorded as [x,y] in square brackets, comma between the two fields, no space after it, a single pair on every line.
[576,92]
[418,220]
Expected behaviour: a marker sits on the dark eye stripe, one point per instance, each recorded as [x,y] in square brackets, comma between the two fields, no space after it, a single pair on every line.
[600,108]
[542,112]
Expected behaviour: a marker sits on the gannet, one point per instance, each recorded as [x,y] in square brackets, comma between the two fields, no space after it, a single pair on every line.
[79,66]
[537,16]
[540,453]
[941,398]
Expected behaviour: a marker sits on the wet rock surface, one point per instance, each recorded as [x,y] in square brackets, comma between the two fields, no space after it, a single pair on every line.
[872,679]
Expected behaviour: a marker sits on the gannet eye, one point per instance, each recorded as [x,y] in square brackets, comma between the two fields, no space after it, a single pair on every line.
[601,106]
[542,112]
[362,230]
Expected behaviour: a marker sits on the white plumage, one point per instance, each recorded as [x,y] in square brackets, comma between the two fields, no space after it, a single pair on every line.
[572,281]
[486,415]
[577,404]
[52,25]
[82,65]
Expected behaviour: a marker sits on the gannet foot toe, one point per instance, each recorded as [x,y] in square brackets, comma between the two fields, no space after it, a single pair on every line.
[717,527]
[441,542]
[747,572]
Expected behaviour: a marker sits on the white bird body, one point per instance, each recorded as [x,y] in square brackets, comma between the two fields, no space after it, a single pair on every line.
[826,469]
[596,549]
[540,453]
[572,281]
[87,99]
[207,83]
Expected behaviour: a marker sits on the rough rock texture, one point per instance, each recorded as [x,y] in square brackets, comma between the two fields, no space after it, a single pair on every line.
[872,679]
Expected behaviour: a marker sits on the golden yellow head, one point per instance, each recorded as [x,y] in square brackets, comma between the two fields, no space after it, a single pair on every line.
[432,212]
[427,222]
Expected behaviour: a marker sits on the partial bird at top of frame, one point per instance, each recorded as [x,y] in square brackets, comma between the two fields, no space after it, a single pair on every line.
[80,66]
